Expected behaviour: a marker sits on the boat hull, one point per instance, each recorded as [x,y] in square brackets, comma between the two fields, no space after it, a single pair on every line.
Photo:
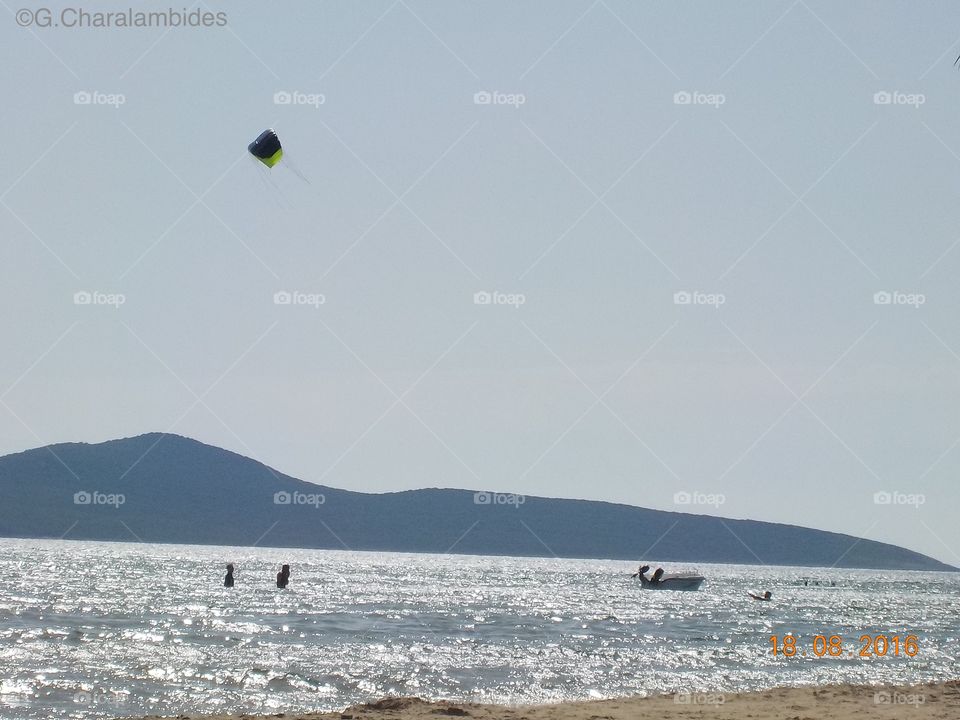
[687,583]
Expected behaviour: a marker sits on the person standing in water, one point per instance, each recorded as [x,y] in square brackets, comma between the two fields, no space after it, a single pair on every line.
[228,578]
[283,577]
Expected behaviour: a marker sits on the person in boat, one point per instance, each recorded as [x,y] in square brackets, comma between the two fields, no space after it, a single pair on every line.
[658,573]
[640,573]
[228,578]
[283,577]
[766,596]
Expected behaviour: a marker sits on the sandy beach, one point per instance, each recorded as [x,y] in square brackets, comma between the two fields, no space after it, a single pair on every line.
[838,702]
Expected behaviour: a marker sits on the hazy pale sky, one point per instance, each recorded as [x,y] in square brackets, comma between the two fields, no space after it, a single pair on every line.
[583,162]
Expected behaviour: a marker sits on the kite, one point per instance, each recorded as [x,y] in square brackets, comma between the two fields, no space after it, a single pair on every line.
[266,148]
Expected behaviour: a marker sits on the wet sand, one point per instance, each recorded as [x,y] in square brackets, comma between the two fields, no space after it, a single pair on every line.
[835,702]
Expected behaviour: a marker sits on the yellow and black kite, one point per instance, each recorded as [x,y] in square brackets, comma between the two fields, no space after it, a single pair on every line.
[266,148]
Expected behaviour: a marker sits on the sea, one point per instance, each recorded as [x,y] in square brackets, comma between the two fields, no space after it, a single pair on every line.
[104,630]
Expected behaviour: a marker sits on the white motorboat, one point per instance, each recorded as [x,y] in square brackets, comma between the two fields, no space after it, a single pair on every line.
[689,581]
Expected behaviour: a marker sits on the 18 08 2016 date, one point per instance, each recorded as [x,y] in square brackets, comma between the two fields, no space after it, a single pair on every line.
[833,646]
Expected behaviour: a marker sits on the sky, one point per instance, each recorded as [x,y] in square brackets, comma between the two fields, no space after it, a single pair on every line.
[687,256]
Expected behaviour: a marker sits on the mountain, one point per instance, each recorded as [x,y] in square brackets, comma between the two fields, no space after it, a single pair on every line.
[171,489]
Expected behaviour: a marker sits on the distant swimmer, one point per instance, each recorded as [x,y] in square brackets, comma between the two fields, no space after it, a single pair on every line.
[640,573]
[658,573]
[228,578]
[283,577]
[766,596]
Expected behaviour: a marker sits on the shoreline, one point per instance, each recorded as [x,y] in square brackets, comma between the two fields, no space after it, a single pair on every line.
[939,700]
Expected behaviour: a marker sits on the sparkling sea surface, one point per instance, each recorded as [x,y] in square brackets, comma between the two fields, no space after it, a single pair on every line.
[102,630]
